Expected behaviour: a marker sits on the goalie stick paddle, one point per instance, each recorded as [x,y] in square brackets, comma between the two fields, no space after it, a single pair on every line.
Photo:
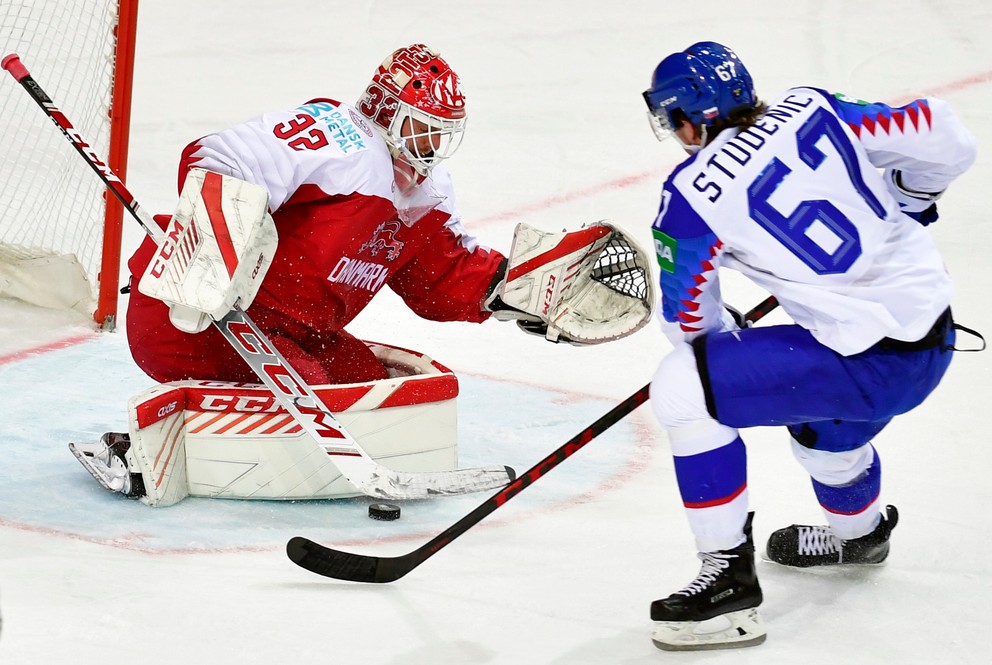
[379,569]
[293,393]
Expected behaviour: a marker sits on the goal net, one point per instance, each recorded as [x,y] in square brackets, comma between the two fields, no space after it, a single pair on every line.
[59,233]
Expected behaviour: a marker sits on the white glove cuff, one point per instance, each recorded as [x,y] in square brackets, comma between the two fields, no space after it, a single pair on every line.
[910,200]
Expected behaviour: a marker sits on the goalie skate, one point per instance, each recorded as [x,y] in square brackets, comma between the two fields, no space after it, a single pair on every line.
[105,460]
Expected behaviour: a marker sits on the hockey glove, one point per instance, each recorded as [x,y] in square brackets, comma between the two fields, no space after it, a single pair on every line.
[214,253]
[583,287]
[530,324]
[925,217]
[921,206]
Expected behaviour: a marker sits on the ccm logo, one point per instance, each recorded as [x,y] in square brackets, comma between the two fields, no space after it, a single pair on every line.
[239,403]
[167,409]
[87,150]
[549,294]
[181,241]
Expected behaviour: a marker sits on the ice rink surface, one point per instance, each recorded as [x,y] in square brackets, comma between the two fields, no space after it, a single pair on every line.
[563,574]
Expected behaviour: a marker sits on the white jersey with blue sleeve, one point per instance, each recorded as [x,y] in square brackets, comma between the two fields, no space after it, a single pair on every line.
[799,204]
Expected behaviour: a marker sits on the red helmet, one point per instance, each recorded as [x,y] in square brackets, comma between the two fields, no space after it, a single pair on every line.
[414,84]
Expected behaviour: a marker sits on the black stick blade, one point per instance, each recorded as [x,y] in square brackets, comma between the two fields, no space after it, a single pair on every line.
[342,565]
[360,568]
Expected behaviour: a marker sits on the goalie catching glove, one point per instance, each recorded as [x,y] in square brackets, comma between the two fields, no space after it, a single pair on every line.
[583,287]
[215,251]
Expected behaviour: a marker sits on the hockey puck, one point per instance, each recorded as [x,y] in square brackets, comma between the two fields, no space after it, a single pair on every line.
[384,511]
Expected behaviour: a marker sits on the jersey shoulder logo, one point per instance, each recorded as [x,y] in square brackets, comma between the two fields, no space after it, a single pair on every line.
[665,246]
[360,122]
[850,100]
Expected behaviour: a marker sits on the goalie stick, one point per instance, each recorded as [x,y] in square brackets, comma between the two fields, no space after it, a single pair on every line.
[380,569]
[293,393]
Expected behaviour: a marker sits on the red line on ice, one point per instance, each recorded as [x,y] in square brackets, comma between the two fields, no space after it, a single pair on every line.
[45,348]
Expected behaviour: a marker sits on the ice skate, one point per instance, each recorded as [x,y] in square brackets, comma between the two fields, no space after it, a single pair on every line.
[805,546]
[105,460]
[718,609]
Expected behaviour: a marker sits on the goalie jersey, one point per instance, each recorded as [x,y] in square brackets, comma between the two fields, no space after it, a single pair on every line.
[344,235]
[809,205]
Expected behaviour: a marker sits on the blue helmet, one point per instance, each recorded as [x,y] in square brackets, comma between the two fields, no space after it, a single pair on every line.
[707,82]
[737,83]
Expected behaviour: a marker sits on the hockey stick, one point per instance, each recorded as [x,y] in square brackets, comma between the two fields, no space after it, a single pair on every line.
[367,568]
[293,393]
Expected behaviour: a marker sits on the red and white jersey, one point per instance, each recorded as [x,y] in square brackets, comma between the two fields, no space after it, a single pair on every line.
[343,232]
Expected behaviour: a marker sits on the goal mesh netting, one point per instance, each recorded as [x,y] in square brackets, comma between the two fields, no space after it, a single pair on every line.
[53,207]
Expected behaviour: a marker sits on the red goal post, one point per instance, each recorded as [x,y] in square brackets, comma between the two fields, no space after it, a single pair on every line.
[60,230]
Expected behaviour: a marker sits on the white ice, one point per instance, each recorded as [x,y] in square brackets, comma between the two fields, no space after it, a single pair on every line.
[565,572]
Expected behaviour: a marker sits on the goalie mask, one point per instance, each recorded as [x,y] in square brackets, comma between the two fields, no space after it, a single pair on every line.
[415,102]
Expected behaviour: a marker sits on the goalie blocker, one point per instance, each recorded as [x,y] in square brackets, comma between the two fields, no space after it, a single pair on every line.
[230,440]
[583,287]
[216,250]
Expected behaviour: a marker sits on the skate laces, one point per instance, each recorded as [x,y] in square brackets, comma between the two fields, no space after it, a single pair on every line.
[818,540]
[714,563]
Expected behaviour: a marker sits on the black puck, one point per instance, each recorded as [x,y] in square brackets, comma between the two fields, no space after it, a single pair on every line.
[384,511]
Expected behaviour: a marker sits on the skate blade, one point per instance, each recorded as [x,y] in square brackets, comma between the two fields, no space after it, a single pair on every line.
[832,568]
[733,630]
[87,454]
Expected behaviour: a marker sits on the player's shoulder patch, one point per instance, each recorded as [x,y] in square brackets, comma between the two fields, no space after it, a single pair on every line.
[665,247]
[850,100]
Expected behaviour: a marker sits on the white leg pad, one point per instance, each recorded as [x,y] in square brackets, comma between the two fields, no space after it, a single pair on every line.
[158,443]
[225,461]
[230,440]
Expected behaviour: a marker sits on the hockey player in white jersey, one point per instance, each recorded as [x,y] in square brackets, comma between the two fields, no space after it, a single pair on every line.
[821,200]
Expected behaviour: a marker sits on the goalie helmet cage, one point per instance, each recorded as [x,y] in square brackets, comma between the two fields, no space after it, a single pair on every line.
[60,230]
